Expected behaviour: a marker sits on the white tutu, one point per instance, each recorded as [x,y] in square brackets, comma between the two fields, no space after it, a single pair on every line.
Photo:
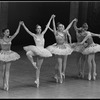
[93,48]
[79,47]
[7,56]
[37,50]
[64,49]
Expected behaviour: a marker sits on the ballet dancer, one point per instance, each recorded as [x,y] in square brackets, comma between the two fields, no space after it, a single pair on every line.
[90,50]
[7,55]
[39,51]
[81,59]
[61,49]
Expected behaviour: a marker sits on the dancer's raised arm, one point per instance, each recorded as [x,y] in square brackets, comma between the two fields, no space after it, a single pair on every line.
[51,29]
[69,36]
[75,26]
[54,26]
[28,31]
[17,31]
[47,26]
[69,26]
[67,29]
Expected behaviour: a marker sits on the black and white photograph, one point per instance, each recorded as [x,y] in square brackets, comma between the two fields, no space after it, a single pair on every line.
[49,49]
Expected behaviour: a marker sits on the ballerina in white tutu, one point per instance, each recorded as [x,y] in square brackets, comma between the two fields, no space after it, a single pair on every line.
[90,50]
[7,55]
[78,48]
[39,51]
[61,49]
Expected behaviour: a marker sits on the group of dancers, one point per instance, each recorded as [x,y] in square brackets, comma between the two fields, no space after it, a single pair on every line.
[85,47]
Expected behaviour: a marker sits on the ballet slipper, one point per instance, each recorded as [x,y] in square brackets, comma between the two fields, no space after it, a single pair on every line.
[56,77]
[61,79]
[94,76]
[89,77]
[63,75]
[34,64]
[37,83]
[6,87]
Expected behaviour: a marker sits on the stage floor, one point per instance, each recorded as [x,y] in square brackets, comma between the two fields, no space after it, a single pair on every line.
[22,77]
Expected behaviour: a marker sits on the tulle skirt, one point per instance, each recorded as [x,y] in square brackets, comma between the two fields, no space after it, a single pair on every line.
[93,48]
[7,56]
[37,50]
[64,49]
[79,47]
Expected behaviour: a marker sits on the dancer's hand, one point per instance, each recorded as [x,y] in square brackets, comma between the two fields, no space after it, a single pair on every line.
[75,19]
[53,15]
[21,22]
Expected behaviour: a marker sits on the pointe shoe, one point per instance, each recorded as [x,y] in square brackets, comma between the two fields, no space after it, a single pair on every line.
[6,88]
[63,75]
[37,83]
[34,64]
[89,77]
[61,80]
[56,77]
[94,76]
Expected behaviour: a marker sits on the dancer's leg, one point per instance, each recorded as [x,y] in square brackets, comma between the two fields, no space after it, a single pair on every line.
[56,72]
[39,64]
[94,68]
[60,68]
[79,64]
[84,60]
[3,74]
[64,66]
[29,55]
[90,66]
[7,74]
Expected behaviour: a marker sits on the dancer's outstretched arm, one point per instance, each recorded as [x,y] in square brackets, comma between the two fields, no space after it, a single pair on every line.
[69,36]
[75,26]
[94,34]
[67,29]
[69,26]
[17,31]
[54,26]
[88,35]
[51,29]
[48,24]
[28,31]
